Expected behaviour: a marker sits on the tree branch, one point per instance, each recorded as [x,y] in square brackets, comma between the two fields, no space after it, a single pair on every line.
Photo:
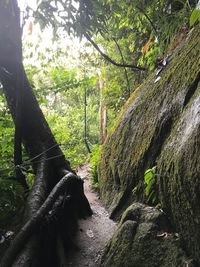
[66,184]
[148,18]
[106,57]
[125,70]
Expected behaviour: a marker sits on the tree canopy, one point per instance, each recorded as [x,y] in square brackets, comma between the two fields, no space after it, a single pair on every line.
[140,27]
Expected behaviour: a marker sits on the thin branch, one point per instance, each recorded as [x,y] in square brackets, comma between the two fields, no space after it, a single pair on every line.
[106,57]
[148,18]
[125,70]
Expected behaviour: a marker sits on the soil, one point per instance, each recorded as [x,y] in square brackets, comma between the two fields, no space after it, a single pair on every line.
[94,232]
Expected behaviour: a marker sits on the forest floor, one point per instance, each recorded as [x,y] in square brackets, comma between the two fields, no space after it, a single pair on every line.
[94,232]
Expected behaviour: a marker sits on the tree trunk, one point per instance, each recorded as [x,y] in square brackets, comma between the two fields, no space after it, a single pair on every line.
[102,114]
[105,122]
[40,246]
[85,122]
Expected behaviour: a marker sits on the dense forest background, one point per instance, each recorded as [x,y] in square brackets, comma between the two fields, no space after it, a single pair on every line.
[83,60]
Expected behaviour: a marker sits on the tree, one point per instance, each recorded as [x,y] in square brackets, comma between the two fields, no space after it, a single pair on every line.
[134,22]
[57,191]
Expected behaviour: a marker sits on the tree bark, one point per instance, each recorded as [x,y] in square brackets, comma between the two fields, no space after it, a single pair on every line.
[102,113]
[85,122]
[101,137]
[39,247]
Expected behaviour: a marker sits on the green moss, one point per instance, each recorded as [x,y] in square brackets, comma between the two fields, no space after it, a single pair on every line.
[131,99]
[160,126]
[136,241]
[142,115]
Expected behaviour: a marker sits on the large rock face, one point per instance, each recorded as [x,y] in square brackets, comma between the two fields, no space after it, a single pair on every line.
[144,239]
[161,126]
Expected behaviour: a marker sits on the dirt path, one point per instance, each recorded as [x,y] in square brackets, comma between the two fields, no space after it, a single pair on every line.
[94,232]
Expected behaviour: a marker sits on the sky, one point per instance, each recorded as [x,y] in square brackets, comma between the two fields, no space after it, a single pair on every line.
[33,37]
[22,3]
[45,40]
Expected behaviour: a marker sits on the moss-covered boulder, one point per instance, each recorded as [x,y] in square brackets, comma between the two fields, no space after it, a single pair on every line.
[160,126]
[144,239]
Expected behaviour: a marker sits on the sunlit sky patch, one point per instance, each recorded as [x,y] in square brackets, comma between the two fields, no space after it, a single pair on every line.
[23,3]
[44,39]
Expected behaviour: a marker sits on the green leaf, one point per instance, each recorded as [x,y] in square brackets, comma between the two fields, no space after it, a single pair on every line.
[149,187]
[148,176]
[195,17]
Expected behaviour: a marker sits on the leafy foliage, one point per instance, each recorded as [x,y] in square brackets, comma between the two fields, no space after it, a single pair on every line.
[195,17]
[11,201]
[60,92]
[11,193]
[136,32]
[151,190]
[6,137]
[131,24]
